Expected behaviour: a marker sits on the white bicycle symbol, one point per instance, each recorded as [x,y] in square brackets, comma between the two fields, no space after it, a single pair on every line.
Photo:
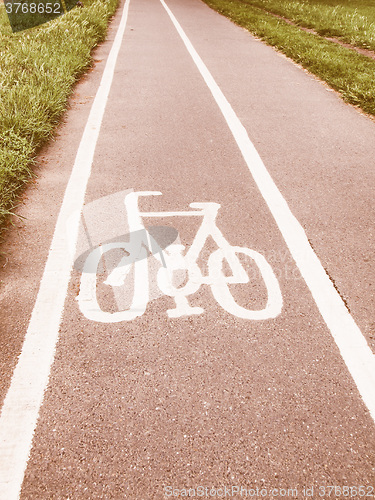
[175,260]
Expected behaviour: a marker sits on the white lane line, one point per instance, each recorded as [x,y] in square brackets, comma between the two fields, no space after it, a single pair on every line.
[352,345]
[22,403]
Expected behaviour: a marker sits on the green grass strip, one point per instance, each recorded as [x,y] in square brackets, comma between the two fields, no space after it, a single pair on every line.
[351,21]
[351,74]
[38,69]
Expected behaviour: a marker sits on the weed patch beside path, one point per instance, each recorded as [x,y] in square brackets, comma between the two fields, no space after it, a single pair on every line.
[351,21]
[38,68]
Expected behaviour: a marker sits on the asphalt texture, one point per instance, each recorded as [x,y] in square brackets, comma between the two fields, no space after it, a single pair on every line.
[135,408]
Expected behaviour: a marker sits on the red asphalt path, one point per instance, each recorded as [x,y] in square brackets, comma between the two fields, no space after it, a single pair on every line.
[134,408]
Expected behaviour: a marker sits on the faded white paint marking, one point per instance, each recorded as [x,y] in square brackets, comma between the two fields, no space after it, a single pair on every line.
[22,403]
[352,345]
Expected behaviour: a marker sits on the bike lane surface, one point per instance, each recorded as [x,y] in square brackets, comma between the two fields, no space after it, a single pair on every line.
[208,399]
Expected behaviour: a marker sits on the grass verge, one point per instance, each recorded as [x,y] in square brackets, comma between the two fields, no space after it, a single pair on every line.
[351,21]
[38,69]
[349,73]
